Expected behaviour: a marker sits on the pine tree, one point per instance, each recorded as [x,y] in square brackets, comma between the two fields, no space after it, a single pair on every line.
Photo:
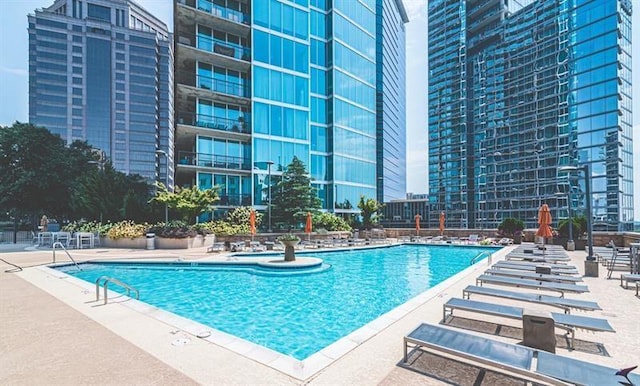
[293,196]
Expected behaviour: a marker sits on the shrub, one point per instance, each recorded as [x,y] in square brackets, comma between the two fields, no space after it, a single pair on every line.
[173,230]
[288,237]
[91,226]
[510,227]
[330,222]
[579,226]
[127,229]
[240,216]
[223,228]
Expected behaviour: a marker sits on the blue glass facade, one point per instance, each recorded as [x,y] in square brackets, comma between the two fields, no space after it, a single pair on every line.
[101,72]
[546,85]
[391,101]
[260,81]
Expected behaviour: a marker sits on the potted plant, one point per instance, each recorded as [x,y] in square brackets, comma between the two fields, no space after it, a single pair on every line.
[289,241]
[512,228]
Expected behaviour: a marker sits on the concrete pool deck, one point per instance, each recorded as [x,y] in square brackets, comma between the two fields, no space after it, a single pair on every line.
[53,332]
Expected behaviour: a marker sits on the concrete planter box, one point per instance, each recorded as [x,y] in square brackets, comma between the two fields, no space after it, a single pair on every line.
[185,243]
[125,243]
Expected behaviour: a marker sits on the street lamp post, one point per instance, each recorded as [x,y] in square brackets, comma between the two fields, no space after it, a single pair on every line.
[591,266]
[269,163]
[166,181]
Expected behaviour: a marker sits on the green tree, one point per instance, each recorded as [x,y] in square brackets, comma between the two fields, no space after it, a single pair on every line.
[38,172]
[189,202]
[106,194]
[370,210]
[330,222]
[510,227]
[293,196]
[240,216]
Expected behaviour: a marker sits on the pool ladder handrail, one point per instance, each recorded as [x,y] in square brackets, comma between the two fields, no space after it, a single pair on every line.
[59,244]
[113,280]
[475,259]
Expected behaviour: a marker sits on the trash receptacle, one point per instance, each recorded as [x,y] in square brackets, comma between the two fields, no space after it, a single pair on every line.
[538,330]
[151,241]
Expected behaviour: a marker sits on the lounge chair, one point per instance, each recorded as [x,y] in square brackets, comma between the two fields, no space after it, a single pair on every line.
[627,277]
[557,269]
[565,321]
[534,257]
[526,283]
[548,300]
[533,275]
[510,358]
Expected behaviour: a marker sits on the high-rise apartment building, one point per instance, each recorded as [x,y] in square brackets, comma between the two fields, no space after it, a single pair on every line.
[259,82]
[101,71]
[517,91]
[391,100]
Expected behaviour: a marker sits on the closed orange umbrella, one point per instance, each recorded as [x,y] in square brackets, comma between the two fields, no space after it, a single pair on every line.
[252,222]
[441,223]
[418,218]
[544,219]
[308,227]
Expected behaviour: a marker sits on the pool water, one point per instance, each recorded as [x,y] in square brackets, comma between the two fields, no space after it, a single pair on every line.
[296,315]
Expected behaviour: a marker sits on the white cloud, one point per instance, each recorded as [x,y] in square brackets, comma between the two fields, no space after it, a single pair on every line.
[14,71]
[416,9]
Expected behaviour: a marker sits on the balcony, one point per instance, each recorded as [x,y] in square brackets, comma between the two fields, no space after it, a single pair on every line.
[204,12]
[206,160]
[192,86]
[214,123]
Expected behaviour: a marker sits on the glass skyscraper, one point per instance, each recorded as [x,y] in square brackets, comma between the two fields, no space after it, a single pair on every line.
[520,89]
[258,82]
[101,71]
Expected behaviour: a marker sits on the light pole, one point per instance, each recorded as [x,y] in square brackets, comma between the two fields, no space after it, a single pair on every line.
[100,164]
[269,163]
[591,266]
[166,181]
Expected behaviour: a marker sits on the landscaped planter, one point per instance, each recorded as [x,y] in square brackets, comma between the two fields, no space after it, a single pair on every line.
[136,243]
[184,243]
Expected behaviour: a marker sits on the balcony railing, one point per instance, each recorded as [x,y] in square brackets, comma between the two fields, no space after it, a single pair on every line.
[217,10]
[209,44]
[213,161]
[215,123]
[234,200]
[223,86]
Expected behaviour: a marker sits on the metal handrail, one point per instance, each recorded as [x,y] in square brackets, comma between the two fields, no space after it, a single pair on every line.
[57,243]
[113,280]
[473,261]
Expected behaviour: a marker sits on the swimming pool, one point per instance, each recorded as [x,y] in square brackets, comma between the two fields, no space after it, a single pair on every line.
[296,315]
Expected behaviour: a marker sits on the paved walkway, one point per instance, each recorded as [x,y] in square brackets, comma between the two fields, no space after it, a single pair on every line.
[44,340]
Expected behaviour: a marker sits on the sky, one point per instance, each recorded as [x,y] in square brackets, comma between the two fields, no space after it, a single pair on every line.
[14,68]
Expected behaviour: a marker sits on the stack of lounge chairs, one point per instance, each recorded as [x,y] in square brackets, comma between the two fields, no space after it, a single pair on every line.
[539,272]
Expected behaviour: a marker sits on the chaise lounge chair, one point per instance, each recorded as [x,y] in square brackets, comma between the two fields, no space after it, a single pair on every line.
[559,269]
[510,358]
[526,283]
[554,301]
[536,257]
[533,275]
[565,321]
[627,277]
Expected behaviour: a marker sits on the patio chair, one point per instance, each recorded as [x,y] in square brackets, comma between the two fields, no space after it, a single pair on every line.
[536,257]
[526,283]
[567,322]
[533,275]
[511,359]
[548,300]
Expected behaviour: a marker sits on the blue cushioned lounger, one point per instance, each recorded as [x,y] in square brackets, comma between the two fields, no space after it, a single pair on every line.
[564,321]
[526,283]
[563,303]
[532,275]
[556,269]
[510,358]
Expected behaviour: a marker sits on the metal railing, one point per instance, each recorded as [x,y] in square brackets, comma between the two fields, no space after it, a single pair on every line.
[479,256]
[59,244]
[213,161]
[215,123]
[106,280]
[217,46]
[217,10]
